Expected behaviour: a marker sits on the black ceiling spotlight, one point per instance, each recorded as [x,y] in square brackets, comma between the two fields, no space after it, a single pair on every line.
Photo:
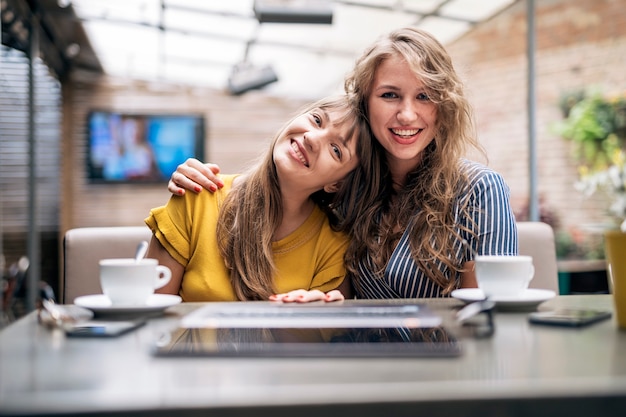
[246,77]
[293,11]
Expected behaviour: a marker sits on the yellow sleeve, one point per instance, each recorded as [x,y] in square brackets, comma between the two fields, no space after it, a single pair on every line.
[171,225]
[188,221]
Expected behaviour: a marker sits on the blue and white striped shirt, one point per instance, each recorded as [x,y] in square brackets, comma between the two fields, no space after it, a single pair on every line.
[492,221]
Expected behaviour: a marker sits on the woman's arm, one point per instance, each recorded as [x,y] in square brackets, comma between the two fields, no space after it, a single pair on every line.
[158,252]
[193,175]
[468,276]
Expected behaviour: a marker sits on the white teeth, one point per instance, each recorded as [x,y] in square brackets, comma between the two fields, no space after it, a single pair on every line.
[406,132]
[295,147]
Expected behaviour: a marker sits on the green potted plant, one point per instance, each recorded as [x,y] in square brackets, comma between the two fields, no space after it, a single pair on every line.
[596,124]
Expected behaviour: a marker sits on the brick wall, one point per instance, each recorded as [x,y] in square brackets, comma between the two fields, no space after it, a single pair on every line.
[579,44]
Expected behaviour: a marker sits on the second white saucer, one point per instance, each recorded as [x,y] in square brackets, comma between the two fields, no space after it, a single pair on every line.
[530,297]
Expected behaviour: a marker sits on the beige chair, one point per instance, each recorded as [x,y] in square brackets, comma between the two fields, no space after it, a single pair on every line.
[537,240]
[84,247]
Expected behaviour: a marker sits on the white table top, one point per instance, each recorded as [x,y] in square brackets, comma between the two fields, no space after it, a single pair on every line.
[528,369]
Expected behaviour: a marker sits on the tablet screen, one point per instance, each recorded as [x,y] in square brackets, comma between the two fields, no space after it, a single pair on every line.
[309,342]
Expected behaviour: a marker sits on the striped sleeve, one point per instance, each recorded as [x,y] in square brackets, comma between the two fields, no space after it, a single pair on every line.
[492,220]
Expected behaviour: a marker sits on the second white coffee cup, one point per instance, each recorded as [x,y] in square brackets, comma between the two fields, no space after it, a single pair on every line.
[504,276]
[130,282]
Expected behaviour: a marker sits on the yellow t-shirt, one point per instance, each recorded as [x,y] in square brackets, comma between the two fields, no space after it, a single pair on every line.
[311,257]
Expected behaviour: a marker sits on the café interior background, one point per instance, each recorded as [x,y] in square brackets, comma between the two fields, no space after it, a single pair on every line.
[176,56]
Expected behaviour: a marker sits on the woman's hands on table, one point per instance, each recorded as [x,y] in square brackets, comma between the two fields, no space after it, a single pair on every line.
[307,296]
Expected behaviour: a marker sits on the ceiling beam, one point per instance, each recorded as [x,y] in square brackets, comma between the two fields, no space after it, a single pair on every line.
[398,7]
[319,50]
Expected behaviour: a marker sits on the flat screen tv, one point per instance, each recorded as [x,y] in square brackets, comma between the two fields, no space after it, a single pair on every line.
[128,147]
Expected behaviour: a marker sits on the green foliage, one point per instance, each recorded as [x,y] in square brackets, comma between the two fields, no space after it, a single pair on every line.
[596,125]
[569,100]
[577,245]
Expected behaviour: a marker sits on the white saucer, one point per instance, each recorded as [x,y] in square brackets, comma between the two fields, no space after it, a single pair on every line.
[529,298]
[100,303]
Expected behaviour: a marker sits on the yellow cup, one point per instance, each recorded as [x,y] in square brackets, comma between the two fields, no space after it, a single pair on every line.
[615,246]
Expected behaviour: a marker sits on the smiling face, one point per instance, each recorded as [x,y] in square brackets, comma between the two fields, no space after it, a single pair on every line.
[401,115]
[316,150]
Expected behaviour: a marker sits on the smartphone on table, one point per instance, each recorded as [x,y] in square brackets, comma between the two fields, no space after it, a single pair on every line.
[569,317]
[98,328]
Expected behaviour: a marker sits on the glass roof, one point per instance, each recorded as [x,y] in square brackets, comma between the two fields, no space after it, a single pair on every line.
[199,42]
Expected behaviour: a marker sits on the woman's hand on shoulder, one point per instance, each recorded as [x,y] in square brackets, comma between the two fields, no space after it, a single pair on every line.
[307,296]
[193,175]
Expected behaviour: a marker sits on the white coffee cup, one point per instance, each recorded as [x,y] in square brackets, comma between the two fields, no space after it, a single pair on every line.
[504,276]
[130,282]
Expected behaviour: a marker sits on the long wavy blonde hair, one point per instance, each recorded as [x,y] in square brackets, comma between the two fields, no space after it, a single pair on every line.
[426,203]
[252,211]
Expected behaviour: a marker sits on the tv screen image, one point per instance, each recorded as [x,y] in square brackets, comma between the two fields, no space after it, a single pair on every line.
[141,147]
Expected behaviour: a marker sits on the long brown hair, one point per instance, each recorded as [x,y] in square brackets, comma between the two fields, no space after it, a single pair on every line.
[252,210]
[426,203]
